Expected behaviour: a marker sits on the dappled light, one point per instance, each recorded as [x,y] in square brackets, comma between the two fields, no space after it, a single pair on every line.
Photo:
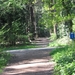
[30,61]
[31,72]
[30,65]
[26,55]
[33,67]
[35,35]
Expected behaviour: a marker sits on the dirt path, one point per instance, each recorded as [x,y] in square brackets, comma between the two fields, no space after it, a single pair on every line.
[30,62]
[41,42]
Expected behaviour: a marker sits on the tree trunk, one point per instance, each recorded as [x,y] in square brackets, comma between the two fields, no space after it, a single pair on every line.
[55,29]
[33,22]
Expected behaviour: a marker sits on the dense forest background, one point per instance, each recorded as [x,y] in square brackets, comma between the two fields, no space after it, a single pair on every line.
[22,21]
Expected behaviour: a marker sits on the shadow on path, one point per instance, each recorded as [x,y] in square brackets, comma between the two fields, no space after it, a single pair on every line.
[41,42]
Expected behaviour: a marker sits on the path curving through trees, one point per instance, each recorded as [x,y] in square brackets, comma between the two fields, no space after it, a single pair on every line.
[30,62]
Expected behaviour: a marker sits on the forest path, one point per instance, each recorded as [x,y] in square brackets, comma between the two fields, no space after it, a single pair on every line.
[41,42]
[35,61]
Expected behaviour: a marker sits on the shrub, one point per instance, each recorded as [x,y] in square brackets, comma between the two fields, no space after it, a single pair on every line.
[65,59]
[22,39]
[4,58]
[60,42]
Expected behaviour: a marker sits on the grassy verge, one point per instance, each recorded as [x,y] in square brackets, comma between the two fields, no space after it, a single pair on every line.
[19,47]
[65,60]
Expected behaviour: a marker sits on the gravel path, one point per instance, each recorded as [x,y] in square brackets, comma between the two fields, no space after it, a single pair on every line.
[30,62]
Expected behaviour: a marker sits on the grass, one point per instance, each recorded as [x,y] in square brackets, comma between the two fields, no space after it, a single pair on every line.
[19,47]
[65,60]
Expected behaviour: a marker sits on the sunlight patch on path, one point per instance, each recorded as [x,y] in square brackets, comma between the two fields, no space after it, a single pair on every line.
[30,65]
[27,68]
[31,49]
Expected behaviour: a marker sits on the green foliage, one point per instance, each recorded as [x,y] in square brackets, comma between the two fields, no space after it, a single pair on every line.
[62,30]
[13,21]
[60,12]
[60,42]
[73,24]
[53,36]
[4,58]
[22,39]
[21,46]
[65,60]
[46,19]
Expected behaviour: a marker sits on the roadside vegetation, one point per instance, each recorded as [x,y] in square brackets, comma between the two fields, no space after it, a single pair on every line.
[59,42]
[63,24]
[65,60]
[4,58]
[16,47]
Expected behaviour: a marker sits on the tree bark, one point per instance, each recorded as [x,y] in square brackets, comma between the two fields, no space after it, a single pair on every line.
[33,21]
[55,30]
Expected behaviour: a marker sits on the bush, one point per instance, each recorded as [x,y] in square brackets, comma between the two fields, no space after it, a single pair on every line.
[65,59]
[22,39]
[60,42]
[4,58]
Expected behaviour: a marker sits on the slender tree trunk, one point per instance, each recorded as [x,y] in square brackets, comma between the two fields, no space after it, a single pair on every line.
[33,21]
[55,30]
[35,24]
[32,26]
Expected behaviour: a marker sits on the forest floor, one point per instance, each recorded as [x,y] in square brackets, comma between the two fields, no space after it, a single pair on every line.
[35,61]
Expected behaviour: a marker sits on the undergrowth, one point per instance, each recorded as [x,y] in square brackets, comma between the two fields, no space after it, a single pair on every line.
[60,42]
[65,60]
[4,58]
[16,47]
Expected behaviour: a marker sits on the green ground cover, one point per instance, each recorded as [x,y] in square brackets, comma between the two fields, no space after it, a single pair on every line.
[65,60]
[4,58]
[19,47]
[60,42]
